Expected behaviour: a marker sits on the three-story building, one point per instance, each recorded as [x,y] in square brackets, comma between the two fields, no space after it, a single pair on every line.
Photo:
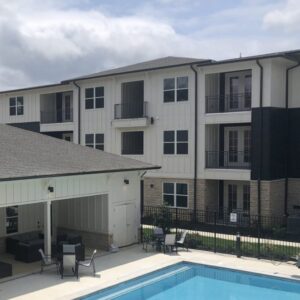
[224,132]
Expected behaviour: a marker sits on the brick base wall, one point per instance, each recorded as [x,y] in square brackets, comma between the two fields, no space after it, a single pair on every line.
[92,239]
[294,196]
[207,192]
[272,197]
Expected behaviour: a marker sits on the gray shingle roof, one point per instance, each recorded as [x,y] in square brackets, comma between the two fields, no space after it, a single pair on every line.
[26,154]
[164,62]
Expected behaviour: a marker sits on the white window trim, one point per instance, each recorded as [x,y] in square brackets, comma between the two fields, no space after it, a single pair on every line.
[175,195]
[175,143]
[175,90]
[6,218]
[94,144]
[16,105]
[94,98]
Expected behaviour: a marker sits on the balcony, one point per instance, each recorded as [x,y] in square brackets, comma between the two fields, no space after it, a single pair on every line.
[130,110]
[228,103]
[57,116]
[128,115]
[228,159]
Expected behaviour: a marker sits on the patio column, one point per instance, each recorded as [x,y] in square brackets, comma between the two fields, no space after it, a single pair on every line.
[47,228]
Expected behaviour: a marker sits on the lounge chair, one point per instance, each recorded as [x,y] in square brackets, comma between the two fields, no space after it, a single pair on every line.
[169,242]
[89,263]
[47,261]
[181,242]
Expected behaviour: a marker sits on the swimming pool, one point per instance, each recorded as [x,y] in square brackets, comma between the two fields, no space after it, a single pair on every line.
[194,281]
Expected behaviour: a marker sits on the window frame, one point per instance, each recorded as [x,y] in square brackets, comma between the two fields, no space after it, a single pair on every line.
[12,217]
[175,89]
[94,143]
[94,98]
[142,132]
[16,106]
[175,194]
[176,142]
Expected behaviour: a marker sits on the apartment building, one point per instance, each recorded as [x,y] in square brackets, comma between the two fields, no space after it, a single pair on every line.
[224,132]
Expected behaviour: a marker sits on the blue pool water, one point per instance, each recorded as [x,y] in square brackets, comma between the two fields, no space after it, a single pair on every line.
[193,281]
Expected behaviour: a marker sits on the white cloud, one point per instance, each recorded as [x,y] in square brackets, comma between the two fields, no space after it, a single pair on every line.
[51,40]
[286,17]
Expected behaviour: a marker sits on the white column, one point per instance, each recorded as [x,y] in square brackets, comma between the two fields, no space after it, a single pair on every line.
[47,228]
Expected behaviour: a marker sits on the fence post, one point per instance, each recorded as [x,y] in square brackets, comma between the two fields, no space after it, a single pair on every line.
[215,232]
[176,221]
[258,236]
[238,244]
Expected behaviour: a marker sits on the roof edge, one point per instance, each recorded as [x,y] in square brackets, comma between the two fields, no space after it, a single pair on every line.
[68,81]
[80,173]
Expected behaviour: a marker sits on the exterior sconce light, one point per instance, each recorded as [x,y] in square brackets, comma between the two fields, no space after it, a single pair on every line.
[50,189]
[152,185]
[126,181]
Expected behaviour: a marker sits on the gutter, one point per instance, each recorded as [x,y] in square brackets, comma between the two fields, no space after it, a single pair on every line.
[79,111]
[80,173]
[287,142]
[196,141]
[260,138]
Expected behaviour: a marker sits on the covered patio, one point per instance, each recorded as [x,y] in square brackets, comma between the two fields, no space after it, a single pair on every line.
[54,191]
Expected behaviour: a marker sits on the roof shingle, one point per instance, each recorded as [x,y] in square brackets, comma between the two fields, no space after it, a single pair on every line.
[25,154]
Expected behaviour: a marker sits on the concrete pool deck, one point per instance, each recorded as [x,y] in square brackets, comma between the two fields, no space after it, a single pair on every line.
[130,262]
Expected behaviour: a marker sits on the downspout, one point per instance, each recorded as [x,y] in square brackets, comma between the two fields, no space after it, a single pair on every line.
[286,182]
[260,138]
[79,111]
[196,141]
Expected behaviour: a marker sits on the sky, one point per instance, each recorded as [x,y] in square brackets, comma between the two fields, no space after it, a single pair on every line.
[48,41]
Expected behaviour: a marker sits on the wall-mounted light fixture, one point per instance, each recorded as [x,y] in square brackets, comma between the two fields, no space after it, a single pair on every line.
[126,181]
[152,185]
[50,189]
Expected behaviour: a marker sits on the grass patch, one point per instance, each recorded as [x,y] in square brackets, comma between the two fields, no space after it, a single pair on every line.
[266,250]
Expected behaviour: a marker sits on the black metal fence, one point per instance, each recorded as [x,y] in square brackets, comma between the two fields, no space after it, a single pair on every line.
[240,233]
[228,103]
[228,159]
[131,110]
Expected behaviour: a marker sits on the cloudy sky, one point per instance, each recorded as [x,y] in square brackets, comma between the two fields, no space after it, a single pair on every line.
[47,41]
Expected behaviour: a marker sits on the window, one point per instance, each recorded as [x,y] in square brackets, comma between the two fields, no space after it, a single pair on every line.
[95,140]
[232,197]
[16,106]
[12,216]
[94,97]
[247,146]
[175,194]
[233,146]
[246,197]
[176,142]
[133,143]
[248,91]
[176,89]
[234,93]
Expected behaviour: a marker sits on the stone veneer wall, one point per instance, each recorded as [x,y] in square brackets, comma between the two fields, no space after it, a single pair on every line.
[91,239]
[293,196]
[207,192]
[272,197]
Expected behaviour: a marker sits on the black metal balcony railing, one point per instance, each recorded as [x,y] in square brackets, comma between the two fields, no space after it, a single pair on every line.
[131,110]
[228,159]
[57,116]
[228,103]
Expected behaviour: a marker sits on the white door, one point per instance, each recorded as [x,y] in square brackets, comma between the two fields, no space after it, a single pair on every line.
[125,224]
[238,86]
[67,105]
[237,147]
[237,196]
